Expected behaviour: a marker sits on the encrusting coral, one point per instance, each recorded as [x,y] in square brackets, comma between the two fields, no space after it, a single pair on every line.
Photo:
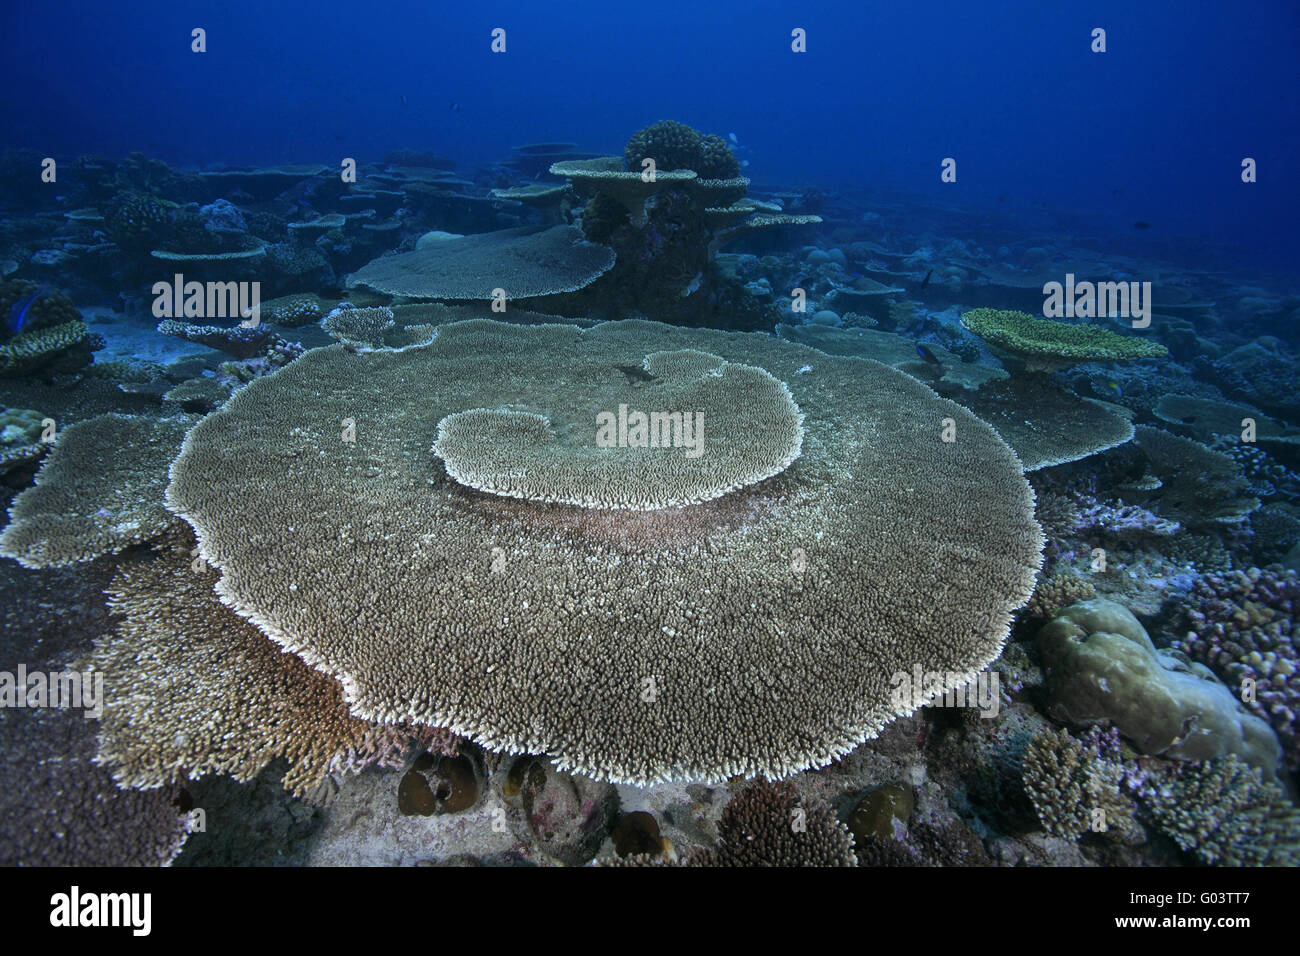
[755,633]
[100,490]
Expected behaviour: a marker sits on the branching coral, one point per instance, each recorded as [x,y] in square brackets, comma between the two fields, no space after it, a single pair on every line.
[193,689]
[768,824]
[1073,789]
[1242,625]
[1224,811]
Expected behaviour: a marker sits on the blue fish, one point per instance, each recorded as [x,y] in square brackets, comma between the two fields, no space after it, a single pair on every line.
[926,354]
[18,311]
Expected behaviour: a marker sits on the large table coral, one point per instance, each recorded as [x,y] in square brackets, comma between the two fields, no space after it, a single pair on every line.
[762,632]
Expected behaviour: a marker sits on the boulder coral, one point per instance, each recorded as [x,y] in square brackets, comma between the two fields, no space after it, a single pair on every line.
[1101,665]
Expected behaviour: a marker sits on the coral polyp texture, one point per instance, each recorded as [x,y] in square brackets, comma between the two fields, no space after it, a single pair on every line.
[755,633]
[99,491]
[717,426]
[522,262]
[1044,344]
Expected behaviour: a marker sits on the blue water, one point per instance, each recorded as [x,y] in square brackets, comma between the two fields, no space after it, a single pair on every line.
[1153,130]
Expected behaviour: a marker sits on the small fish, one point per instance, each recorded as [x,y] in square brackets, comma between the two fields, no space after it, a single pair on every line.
[732,137]
[926,281]
[744,162]
[403,99]
[18,312]
[1141,224]
[929,356]
[635,373]
[455,107]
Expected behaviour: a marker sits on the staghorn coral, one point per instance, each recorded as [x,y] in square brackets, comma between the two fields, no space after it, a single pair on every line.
[1074,791]
[745,423]
[98,492]
[769,824]
[752,633]
[1045,345]
[1241,624]
[524,262]
[1224,811]
[193,689]
[1101,665]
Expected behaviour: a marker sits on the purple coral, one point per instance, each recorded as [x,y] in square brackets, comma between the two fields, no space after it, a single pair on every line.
[1241,625]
